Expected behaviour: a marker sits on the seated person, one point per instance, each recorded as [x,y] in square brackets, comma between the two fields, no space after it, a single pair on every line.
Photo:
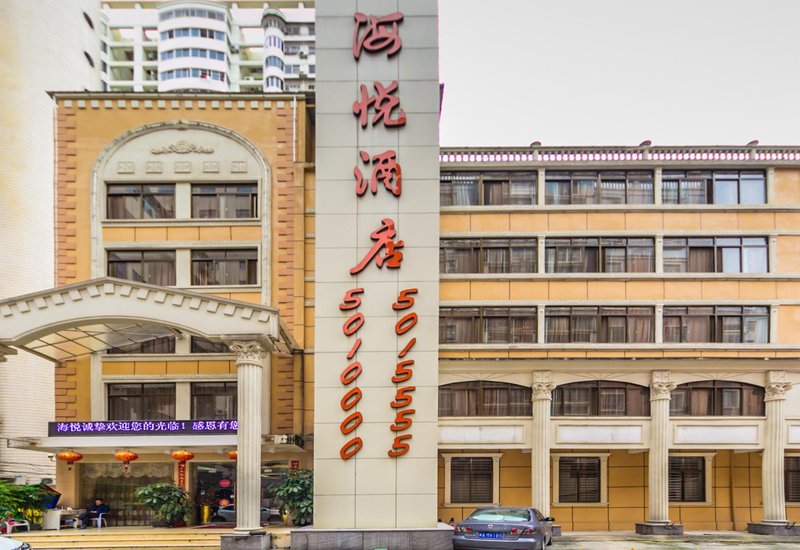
[99,507]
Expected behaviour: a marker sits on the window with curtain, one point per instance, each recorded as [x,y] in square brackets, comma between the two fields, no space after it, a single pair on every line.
[605,187]
[487,188]
[155,346]
[579,479]
[717,398]
[487,325]
[484,398]
[225,201]
[716,255]
[141,401]
[687,479]
[203,345]
[791,478]
[225,267]
[725,324]
[714,187]
[155,267]
[213,400]
[138,202]
[601,398]
[605,324]
[487,255]
[599,255]
[471,479]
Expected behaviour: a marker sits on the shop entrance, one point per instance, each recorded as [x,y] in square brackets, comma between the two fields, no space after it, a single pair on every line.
[116,487]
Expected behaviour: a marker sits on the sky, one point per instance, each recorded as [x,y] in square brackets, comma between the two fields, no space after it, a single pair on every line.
[617,72]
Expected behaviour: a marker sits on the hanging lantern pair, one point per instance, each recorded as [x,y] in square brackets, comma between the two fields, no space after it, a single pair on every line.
[70,457]
[182,456]
[126,457]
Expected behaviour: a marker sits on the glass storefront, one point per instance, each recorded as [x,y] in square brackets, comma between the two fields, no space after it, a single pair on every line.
[116,487]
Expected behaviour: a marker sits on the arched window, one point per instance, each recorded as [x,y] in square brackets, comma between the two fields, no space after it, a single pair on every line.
[601,398]
[484,398]
[717,398]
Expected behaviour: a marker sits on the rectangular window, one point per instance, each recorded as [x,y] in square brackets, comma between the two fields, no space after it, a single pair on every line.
[605,187]
[156,346]
[224,201]
[599,255]
[716,255]
[138,202]
[687,479]
[487,256]
[725,324]
[213,400]
[155,267]
[203,345]
[599,324]
[471,480]
[579,479]
[791,476]
[224,267]
[141,401]
[714,187]
[489,325]
[487,188]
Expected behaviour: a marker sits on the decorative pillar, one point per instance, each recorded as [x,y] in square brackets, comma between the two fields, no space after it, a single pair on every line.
[250,357]
[772,484]
[658,462]
[541,396]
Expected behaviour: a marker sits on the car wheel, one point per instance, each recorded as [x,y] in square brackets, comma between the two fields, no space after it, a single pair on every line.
[540,546]
[550,541]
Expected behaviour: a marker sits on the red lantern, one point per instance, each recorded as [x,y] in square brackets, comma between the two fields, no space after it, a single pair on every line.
[233,455]
[182,457]
[126,457]
[70,457]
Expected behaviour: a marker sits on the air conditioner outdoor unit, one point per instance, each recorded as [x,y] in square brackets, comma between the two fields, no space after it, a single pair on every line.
[303,74]
[303,54]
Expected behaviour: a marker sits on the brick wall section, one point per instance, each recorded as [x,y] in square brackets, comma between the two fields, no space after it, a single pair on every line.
[66,163]
[66,389]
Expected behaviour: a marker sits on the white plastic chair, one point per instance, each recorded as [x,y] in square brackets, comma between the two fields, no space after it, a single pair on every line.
[9,527]
[99,521]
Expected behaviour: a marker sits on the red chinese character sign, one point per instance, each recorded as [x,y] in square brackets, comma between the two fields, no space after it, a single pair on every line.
[376,338]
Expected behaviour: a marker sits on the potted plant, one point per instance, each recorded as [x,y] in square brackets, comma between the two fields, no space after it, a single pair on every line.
[22,502]
[206,500]
[296,495]
[170,504]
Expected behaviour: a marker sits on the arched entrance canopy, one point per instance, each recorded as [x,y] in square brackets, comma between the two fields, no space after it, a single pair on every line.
[78,319]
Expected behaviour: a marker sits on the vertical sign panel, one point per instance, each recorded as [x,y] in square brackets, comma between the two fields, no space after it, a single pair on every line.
[377,264]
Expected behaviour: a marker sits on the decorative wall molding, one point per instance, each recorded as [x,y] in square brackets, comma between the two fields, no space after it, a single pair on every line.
[182,148]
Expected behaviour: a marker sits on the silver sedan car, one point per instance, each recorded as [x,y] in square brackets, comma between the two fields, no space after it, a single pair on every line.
[504,528]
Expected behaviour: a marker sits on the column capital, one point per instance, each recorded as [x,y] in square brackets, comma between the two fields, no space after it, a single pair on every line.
[661,390]
[775,391]
[542,391]
[248,351]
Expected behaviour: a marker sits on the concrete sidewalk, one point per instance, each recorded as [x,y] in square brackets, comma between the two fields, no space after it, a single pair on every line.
[628,540]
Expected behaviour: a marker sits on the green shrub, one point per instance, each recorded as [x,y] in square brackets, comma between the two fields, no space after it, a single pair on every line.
[168,501]
[296,495]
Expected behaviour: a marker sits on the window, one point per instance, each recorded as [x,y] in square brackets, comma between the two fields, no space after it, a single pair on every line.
[192,52]
[601,398]
[487,256]
[716,255]
[687,479]
[598,188]
[484,398]
[213,400]
[155,267]
[194,73]
[599,255]
[714,187]
[136,202]
[141,401]
[717,398]
[224,201]
[192,12]
[88,20]
[273,61]
[89,59]
[727,324]
[488,188]
[274,82]
[472,480]
[579,479]
[225,267]
[162,345]
[487,325]
[195,33]
[791,477]
[203,345]
[609,325]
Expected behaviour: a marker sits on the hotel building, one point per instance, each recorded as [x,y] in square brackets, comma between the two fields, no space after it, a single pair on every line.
[618,334]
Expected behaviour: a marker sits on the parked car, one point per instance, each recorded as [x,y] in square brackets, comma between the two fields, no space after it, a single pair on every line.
[7,543]
[228,513]
[504,527]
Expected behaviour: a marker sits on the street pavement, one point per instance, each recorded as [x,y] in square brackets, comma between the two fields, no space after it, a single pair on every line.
[690,541]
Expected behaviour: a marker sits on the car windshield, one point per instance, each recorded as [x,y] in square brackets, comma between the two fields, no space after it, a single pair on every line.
[512,514]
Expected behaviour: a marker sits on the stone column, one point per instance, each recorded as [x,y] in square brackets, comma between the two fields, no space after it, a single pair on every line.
[658,463]
[542,396]
[250,357]
[772,461]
